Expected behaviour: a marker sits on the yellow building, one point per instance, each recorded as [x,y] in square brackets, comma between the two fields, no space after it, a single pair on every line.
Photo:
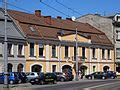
[50,45]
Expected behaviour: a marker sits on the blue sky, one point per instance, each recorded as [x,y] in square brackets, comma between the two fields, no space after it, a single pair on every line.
[104,7]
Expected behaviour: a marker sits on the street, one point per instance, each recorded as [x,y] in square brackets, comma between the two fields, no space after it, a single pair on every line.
[109,84]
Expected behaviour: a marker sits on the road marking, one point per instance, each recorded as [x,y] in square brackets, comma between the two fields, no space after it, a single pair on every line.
[90,88]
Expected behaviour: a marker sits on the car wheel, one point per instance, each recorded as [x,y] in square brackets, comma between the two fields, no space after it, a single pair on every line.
[41,82]
[103,77]
[62,80]
[20,81]
[112,77]
[89,77]
[11,82]
[32,83]
[54,82]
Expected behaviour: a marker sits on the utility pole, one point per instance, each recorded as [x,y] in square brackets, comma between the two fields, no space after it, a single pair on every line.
[76,45]
[5,47]
[60,57]
[76,55]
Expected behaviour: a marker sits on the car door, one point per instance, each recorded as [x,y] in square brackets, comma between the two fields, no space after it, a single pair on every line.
[96,75]
[30,76]
[1,78]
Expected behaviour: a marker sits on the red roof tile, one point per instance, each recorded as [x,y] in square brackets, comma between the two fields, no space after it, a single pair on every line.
[47,27]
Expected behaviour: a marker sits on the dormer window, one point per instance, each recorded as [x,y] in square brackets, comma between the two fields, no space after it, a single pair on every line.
[32,29]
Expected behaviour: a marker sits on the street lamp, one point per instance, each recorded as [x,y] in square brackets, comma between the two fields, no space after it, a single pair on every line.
[76,45]
[76,55]
[5,46]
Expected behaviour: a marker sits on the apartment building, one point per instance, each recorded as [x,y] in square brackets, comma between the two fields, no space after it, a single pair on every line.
[51,44]
[110,26]
[16,42]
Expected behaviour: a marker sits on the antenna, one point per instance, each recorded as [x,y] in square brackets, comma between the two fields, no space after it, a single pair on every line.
[73,18]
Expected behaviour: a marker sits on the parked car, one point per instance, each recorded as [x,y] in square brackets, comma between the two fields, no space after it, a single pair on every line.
[111,74]
[12,78]
[38,80]
[96,75]
[32,75]
[22,76]
[61,76]
[44,78]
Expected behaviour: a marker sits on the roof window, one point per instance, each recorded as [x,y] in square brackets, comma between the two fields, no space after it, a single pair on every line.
[32,29]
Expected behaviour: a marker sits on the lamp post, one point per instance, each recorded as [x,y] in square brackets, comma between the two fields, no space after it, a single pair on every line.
[59,57]
[76,45]
[5,46]
[76,55]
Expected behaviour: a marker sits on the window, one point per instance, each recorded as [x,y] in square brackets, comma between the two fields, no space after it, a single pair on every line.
[53,51]
[93,52]
[20,47]
[83,52]
[1,49]
[118,35]
[118,53]
[108,54]
[53,68]
[103,53]
[9,49]
[32,49]
[41,48]
[94,68]
[66,51]
[32,29]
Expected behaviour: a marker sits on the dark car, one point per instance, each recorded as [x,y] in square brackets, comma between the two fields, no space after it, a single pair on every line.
[111,74]
[12,78]
[96,75]
[44,78]
[22,76]
[61,76]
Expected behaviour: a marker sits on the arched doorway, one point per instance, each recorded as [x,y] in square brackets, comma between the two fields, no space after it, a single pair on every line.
[20,67]
[83,69]
[36,68]
[9,67]
[67,68]
[106,68]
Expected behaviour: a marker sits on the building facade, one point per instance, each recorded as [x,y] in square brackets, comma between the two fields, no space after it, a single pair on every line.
[16,42]
[116,24]
[100,22]
[51,44]
[110,26]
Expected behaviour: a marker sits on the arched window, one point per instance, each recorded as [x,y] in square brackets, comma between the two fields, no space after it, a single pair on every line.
[20,67]
[36,68]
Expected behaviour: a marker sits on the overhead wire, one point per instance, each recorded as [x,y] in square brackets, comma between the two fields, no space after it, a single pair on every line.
[54,8]
[74,11]
[17,7]
[60,21]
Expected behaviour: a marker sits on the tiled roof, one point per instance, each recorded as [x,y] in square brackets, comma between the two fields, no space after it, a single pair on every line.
[48,28]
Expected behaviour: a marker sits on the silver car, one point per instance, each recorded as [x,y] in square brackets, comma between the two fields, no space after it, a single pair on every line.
[32,75]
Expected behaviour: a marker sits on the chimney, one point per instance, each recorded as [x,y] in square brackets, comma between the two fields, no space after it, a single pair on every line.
[59,17]
[48,19]
[69,19]
[38,13]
